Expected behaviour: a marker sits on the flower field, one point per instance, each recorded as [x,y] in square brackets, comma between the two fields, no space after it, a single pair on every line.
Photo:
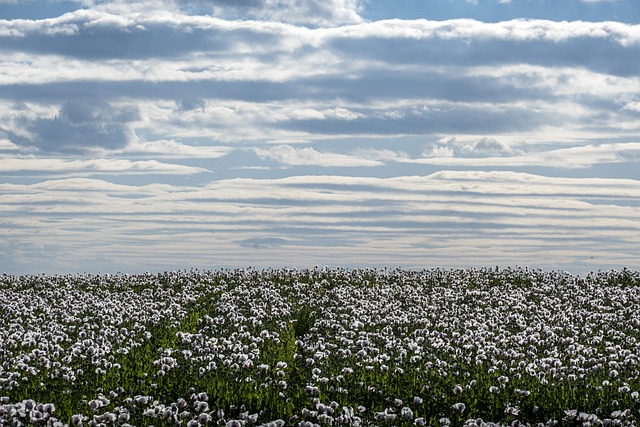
[321,347]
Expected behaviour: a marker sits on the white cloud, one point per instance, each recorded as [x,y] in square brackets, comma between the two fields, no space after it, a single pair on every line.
[76,127]
[308,156]
[307,12]
[6,145]
[170,148]
[382,155]
[437,150]
[314,12]
[582,156]
[486,146]
[265,80]
[56,166]
[408,216]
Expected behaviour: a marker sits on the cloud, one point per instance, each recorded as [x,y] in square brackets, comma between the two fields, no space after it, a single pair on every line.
[598,46]
[190,104]
[56,166]
[429,117]
[437,150]
[311,12]
[99,34]
[494,154]
[6,145]
[262,242]
[486,146]
[308,156]
[77,128]
[204,80]
[170,148]
[365,220]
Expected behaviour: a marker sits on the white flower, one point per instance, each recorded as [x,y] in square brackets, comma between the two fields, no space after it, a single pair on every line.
[310,390]
[512,410]
[406,413]
[201,406]
[142,400]
[460,407]
[95,404]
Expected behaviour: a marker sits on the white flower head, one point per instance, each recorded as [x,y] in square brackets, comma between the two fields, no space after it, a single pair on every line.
[406,413]
[460,407]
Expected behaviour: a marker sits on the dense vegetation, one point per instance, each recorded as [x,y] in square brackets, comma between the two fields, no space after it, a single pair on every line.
[321,347]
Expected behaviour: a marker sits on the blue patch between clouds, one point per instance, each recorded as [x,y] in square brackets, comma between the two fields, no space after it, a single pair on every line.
[36,10]
[495,11]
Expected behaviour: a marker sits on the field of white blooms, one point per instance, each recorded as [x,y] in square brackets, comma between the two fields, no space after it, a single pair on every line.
[321,347]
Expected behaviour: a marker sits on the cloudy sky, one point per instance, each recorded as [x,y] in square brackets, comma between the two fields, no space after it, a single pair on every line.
[174,134]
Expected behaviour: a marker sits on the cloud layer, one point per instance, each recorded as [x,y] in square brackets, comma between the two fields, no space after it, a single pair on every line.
[374,78]
[446,218]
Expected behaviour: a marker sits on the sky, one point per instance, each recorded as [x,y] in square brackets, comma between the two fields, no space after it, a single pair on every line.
[176,134]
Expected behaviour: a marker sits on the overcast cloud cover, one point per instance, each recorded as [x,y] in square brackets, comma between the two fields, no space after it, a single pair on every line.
[170,134]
